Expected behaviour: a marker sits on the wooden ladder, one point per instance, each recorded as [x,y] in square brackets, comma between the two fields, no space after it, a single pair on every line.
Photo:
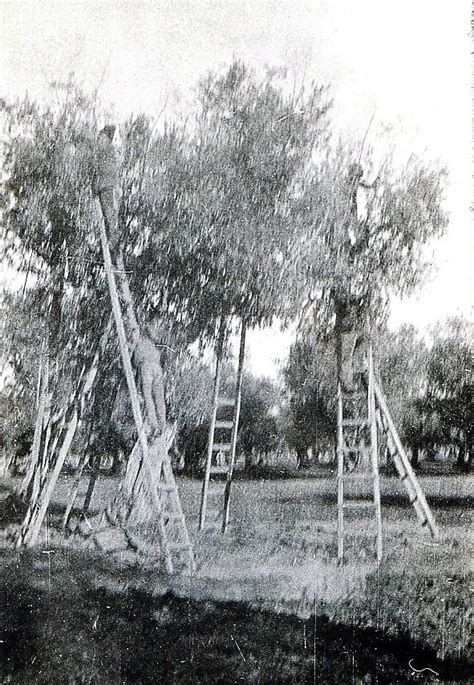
[69,422]
[402,464]
[357,458]
[158,478]
[223,446]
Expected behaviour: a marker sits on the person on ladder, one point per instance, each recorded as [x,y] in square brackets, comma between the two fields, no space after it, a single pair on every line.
[350,299]
[147,358]
[349,313]
[104,184]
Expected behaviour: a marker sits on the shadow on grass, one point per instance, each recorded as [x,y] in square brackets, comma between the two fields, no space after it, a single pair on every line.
[78,634]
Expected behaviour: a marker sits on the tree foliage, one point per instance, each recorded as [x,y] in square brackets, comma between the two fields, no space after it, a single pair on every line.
[258,425]
[238,213]
[365,237]
[227,226]
[310,387]
[428,390]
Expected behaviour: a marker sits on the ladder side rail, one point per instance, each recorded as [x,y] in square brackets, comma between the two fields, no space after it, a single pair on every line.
[55,425]
[235,427]
[128,300]
[73,493]
[169,477]
[403,475]
[210,444]
[340,477]
[30,535]
[46,453]
[39,425]
[375,455]
[133,392]
[406,462]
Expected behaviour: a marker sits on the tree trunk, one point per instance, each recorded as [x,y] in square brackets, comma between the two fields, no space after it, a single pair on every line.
[464,458]
[90,489]
[303,458]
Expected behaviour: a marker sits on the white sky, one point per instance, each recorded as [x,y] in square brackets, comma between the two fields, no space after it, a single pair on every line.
[407,60]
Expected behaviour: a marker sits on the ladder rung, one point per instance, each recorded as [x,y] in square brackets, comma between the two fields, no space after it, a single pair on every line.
[354,395]
[225,402]
[350,475]
[174,517]
[224,424]
[220,446]
[355,423]
[179,546]
[212,512]
[359,504]
[218,470]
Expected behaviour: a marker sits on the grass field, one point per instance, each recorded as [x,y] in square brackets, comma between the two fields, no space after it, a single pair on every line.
[279,555]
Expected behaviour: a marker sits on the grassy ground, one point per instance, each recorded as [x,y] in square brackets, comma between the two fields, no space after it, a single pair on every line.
[279,554]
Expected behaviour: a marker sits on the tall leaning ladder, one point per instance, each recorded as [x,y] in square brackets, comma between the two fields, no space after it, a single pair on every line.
[360,415]
[56,455]
[162,488]
[212,491]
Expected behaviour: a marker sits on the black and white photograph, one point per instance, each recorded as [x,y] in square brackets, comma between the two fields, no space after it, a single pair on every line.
[236,378]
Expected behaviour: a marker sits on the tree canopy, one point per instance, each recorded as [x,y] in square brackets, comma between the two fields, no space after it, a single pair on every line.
[244,211]
[364,236]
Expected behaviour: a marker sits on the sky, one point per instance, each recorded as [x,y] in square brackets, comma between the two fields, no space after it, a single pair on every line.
[404,63]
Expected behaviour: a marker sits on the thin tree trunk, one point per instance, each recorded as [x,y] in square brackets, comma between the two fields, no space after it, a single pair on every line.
[90,490]
[73,495]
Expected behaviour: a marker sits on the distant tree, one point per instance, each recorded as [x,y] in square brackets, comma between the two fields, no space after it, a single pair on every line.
[450,387]
[258,425]
[310,384]
[401,358]
[429,389]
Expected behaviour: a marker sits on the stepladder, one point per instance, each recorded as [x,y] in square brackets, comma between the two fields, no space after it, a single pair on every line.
[222,444]
[150,476]
[363,418]
[358,480]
